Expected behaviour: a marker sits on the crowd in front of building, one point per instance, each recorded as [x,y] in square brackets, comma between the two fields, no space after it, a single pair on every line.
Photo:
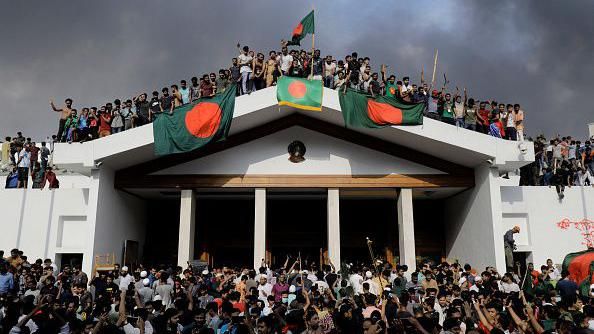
[38,297]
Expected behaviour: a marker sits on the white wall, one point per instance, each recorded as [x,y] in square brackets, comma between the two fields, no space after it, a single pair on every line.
[324,155]
[472,220]
[117,216]
[537,210]
[44,222]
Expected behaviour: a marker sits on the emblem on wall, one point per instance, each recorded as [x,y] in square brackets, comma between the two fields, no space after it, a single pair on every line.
[296,151]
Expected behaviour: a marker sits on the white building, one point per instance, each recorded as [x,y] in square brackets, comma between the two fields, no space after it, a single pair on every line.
[419,191]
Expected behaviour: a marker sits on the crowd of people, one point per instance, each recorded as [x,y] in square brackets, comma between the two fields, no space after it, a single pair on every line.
[24,159]
[251,71]
[37,297]
[560,162]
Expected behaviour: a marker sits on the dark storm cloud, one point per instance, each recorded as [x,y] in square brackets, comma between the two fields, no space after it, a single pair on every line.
[537,53]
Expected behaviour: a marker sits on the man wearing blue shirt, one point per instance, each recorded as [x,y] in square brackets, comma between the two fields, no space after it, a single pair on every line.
[6,279]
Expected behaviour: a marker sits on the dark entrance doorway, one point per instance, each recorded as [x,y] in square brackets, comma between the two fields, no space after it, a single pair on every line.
[225,229]
[296,223]
[373,218]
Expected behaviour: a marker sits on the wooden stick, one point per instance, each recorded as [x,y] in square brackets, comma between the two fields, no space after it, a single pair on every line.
[313,43]
[313,50]
[434,67]
[422,75]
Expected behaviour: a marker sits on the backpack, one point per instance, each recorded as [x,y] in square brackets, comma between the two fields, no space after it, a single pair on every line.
[12,181]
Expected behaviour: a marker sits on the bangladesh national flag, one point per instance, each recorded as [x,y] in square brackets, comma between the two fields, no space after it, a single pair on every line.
[580,266]
[306,26]
[361,110]
[299,93]
[194,125]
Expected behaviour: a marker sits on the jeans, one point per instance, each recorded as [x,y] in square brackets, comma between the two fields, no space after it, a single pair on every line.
[116,130]
[460,122]
[245,76]
[61,126]
[470,127]
[329,81]
[511,134]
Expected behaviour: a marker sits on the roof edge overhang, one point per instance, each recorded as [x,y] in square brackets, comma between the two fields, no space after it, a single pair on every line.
[443,142]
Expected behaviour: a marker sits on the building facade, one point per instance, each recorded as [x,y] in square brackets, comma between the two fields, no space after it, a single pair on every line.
[431,191]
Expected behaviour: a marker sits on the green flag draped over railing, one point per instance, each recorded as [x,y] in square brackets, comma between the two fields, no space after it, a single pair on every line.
[299,93]
[361,110]
[194,125]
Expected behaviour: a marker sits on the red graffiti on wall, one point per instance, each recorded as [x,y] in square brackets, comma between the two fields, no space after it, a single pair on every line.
[585,226]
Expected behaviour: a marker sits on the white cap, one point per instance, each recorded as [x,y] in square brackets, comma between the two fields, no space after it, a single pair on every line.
[478,279]
[368,274]
[205,272]
[305,272]
[146,282]
[124,268]
[292,289]
[157,297]
[143,274]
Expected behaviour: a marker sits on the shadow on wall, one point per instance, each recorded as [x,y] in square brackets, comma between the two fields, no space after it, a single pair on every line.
[512,194]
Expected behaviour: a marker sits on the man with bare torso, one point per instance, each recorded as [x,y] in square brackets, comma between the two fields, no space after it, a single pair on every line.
[64,113]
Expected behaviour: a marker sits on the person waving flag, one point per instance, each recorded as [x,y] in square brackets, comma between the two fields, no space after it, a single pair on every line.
[306,26]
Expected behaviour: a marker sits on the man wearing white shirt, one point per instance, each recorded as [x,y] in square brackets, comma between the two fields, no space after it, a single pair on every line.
[508,285]
[125,278]
[356,281]
[23,165]
[373,288]
[264,289]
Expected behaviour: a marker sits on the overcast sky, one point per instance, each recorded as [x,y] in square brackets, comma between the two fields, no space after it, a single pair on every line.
[537,53]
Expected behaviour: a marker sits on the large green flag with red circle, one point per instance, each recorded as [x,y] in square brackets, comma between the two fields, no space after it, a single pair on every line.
[362,110]
[194,125]
[580,267]
[306,26]
[299,93]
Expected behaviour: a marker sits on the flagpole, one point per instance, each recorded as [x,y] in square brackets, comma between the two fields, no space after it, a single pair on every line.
[434,68]
[313,50]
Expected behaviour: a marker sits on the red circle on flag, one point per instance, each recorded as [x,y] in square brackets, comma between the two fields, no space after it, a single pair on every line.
[297,89]
[383,113]
[298,30]
[203,120]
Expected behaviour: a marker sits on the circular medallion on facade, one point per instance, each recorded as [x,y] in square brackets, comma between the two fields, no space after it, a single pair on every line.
[296,151]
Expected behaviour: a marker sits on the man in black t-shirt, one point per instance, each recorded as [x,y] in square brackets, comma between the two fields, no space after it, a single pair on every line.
[354,68]
[154,106]
[166,101]
[142,111]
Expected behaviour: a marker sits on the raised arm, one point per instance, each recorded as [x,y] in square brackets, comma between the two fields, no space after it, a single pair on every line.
[54,106]
[530,314]
[122,310]
[522,325]
[482,317]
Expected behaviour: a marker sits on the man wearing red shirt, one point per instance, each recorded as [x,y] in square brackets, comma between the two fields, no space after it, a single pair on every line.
[483,118]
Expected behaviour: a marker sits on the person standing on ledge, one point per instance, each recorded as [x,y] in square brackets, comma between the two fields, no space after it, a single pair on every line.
[510,246]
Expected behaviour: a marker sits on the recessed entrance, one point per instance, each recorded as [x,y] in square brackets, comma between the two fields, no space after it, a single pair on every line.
[296,222]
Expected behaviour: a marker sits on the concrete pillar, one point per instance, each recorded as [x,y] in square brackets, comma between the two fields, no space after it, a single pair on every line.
[333,209]
[187,227]
[259,227]
[406,229]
